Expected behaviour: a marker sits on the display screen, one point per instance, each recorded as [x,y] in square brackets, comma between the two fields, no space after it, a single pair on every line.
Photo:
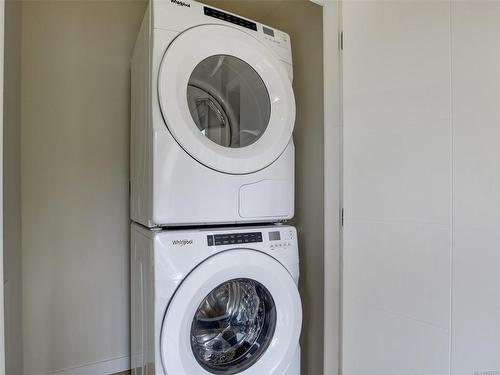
[230,18]
[234,238]
[267,31]
[274,236]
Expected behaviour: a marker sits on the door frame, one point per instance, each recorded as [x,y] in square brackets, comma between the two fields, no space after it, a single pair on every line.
[2,330]
[332,90]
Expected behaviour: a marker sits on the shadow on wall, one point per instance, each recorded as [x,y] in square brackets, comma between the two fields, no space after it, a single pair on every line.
[307,51]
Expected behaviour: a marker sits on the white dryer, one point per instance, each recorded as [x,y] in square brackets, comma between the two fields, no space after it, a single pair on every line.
[215,301]
[213,112]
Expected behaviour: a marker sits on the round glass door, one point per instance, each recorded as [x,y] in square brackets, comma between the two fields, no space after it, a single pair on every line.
[228,101]
[239,311]
[233,326]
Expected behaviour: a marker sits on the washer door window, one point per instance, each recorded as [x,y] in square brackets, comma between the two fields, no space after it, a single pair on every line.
[233,326]
[237,311]
[226,99]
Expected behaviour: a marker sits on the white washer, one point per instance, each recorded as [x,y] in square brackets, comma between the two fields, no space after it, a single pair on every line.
[215,301]
[213,112]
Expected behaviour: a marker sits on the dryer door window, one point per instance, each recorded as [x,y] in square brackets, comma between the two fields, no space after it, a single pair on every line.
[228,101]
[233,326]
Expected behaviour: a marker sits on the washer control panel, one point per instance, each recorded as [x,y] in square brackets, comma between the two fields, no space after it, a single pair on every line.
[269,238]
[281,238]
[234,238]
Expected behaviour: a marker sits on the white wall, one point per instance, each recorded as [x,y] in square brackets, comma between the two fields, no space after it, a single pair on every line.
[12,189]
[476,187]
[74,174]
[397,178]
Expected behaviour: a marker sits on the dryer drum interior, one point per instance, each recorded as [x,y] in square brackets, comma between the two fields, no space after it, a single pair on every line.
[233,326]
[228,101]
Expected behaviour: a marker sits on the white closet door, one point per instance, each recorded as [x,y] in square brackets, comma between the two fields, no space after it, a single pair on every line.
[397,175]
[476,203]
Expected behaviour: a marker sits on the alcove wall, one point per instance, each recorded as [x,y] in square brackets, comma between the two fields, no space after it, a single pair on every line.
[66,184]
[12,188]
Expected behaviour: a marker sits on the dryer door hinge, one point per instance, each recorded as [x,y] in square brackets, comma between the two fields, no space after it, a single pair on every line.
[342,40]
[341,217]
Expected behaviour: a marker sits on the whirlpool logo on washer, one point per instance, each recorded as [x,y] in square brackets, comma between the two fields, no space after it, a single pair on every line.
[181,3]
[182,242]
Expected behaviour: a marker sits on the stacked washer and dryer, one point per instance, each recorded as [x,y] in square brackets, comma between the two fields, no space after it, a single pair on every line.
[214,270]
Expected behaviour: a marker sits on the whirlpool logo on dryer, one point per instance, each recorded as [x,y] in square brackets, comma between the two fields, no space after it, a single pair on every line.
[182,242]
[181,3]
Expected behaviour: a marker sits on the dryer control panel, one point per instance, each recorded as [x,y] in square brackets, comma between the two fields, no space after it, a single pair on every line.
[275,39]
[216,13]
[181,15]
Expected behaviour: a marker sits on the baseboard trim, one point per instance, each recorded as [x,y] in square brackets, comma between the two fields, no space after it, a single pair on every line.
[105,367]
